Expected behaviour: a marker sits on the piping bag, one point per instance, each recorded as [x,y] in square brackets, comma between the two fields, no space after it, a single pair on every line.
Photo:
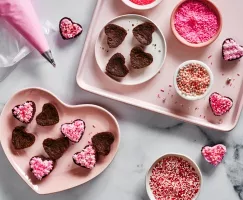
[22,16]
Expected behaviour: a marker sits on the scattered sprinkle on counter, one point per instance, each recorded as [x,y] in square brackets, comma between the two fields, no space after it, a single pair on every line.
[196,22]
[173,178]
[142,2]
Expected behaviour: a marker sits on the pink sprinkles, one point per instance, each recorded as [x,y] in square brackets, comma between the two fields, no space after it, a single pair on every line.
[193,79]
[86,158]
[232,50]
[196,22]
[74,131]
[214,155]
[69,29]
[24,112]
[142,2]
[173,178]
[41,168]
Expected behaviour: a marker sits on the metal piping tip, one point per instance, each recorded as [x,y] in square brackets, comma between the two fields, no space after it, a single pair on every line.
[48,56]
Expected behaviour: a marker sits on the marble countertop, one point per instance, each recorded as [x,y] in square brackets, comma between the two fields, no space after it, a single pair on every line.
[144,135]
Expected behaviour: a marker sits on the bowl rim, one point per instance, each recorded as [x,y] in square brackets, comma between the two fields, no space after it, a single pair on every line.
[183,156]
[141,7]
[203,44]
[205,66]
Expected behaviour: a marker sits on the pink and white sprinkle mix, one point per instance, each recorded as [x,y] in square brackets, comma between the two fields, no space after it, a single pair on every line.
[142,2]
[214,155]
[220,104]
[73,131]
[41,168]
[24,112]
[69,29]
[231,50]
[173,178]
[193,80]
[196,22]
[86,158]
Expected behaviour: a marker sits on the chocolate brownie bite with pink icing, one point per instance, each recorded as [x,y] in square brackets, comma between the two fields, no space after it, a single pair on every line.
[231,50]
[74,131]
[24,112]
[214,155]
[41,166]
[87,158]
[69,29]
[220,104]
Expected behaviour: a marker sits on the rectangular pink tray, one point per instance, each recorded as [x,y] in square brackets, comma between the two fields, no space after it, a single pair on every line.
[148,95]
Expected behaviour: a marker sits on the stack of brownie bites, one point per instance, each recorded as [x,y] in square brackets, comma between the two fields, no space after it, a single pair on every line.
[40,165]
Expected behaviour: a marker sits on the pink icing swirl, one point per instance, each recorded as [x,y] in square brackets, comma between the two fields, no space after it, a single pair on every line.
[24,112]
[86,158]
[41,168]
[232,50]
[74,131]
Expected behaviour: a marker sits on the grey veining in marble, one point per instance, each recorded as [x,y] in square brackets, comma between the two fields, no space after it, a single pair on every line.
[144,135]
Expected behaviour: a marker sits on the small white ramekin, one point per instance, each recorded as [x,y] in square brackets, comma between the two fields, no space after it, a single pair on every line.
[193,164]
[188,97]
[141,7]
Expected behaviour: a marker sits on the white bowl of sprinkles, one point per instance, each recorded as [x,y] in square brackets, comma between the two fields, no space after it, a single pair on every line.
[173,176]
[193,80]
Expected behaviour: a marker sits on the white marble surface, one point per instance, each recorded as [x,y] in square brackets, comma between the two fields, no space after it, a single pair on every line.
[144,135]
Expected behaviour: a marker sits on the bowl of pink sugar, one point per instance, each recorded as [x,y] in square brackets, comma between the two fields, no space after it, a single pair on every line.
[173,176]
[142,4]
[193,80]
[196,23]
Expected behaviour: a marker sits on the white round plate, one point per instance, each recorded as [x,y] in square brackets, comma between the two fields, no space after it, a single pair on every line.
[157,48]
[141,7]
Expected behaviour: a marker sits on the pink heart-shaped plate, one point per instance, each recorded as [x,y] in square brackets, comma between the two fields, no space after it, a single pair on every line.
[65,174]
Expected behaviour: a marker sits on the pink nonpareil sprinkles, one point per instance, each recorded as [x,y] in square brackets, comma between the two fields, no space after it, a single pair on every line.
[193,79]
[142,2]
[24,112]
[196,22]
[173,178]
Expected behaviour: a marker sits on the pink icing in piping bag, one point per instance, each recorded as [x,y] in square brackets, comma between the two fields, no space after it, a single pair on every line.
[22,16]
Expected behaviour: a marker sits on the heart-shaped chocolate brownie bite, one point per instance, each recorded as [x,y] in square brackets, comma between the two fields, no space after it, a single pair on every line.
[55,148]
[139,58]
[143,33]
[21,139]
[116,66]
[115,35]
[49,115]
[41,166]
[24,112]
[214,155]
[87,158]
[102,142]
[231,50]
[220,104]
[69,29]
[74,131]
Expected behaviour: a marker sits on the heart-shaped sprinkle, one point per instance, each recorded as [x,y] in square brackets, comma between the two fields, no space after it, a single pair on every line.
[86,158]
[49,115]
[115,35]
[214,155]
[143,33]
[116,66]
[220,104]
[231,50]
[24,112]
[74,131]
[55,148]
[41,166]
[21,139]
[139,58]
[69,29]
[102,142]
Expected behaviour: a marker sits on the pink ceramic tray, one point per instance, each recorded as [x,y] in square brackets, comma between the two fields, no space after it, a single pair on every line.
[158,94]
[65,174]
